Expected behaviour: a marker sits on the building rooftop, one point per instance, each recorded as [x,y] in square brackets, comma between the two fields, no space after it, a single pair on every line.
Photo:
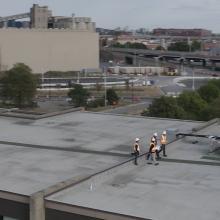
[95,148]
[181,187]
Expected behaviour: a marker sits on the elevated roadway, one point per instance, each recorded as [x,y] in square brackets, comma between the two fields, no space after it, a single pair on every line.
[168,55]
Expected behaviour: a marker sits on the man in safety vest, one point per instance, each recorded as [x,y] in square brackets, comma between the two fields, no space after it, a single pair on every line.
[157,146]
[152,152]
[136,150]
[163,142]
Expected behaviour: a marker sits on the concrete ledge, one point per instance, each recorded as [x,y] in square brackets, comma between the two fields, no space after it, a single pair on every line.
[142,117]
[89,212]
[205,125]
[37,117]
[14,197]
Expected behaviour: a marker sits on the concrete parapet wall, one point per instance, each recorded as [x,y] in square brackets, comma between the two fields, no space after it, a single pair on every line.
[36,117]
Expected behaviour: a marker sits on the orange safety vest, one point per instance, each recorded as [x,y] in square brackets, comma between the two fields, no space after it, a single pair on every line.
[163,139]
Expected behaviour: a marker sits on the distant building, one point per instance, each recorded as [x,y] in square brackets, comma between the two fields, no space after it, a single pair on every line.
[74,23]
[39,16]
[182,32]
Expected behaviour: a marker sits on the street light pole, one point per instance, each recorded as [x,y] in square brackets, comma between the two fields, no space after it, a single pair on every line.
[135,58]
[193,80]
[42,80]
[105,92]
[193,86]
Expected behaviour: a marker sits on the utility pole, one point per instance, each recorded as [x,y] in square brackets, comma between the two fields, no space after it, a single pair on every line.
[193,80]
[0,59]
[105,94]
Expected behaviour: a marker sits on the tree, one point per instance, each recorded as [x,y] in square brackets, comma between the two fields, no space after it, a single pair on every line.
[79,95]
[99,102]
[215,82]
[130,45]
[192,104]
[184,46]
[112,96]
[18,85]
[159,48]
[211,111]
[209,92]
[179,46]
[196,45]
[164,107]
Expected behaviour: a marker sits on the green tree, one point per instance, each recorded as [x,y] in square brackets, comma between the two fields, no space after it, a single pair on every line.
[211,111]
[209,92]
[192,104]
[164,107]
[119,45]
[179,46]
[79,95]
[215,82]
[99,102]
[18,85]
[112,96]
[130,45]
[196,45]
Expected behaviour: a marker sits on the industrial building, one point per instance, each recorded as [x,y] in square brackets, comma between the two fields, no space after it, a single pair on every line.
[42,18]
[78,165]
[182,32]
[47,50]
[50,43]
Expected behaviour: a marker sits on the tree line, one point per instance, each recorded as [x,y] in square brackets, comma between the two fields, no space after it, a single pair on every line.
[80,97]
[203,104]
[18,87]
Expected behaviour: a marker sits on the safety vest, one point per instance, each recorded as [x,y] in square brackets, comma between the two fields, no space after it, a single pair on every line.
[136,147]
[163,139]
[153,148]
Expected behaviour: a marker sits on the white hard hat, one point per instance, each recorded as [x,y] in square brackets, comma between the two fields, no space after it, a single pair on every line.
[155,134]
[137,139]
[164,132]
[153,139]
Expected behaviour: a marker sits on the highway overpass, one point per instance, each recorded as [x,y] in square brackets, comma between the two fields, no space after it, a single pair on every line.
[167,55]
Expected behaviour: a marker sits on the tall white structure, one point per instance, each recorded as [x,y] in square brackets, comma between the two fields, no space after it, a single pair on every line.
[74,23]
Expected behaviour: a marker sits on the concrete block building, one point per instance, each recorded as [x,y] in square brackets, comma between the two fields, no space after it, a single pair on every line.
[49,49]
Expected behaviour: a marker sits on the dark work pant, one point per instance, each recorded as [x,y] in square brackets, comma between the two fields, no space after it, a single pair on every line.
[136,154]
[163,148]
[148,156]
[158,154]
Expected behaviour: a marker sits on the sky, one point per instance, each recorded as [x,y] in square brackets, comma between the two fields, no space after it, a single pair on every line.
[133,14]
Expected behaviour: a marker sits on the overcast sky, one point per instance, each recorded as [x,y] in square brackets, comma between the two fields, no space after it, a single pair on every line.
[132,13]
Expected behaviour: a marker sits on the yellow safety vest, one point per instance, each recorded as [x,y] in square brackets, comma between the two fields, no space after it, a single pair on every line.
[163,139]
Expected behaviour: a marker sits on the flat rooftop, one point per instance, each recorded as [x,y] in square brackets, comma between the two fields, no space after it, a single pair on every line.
[88,131]
[183,186]
[37,154]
